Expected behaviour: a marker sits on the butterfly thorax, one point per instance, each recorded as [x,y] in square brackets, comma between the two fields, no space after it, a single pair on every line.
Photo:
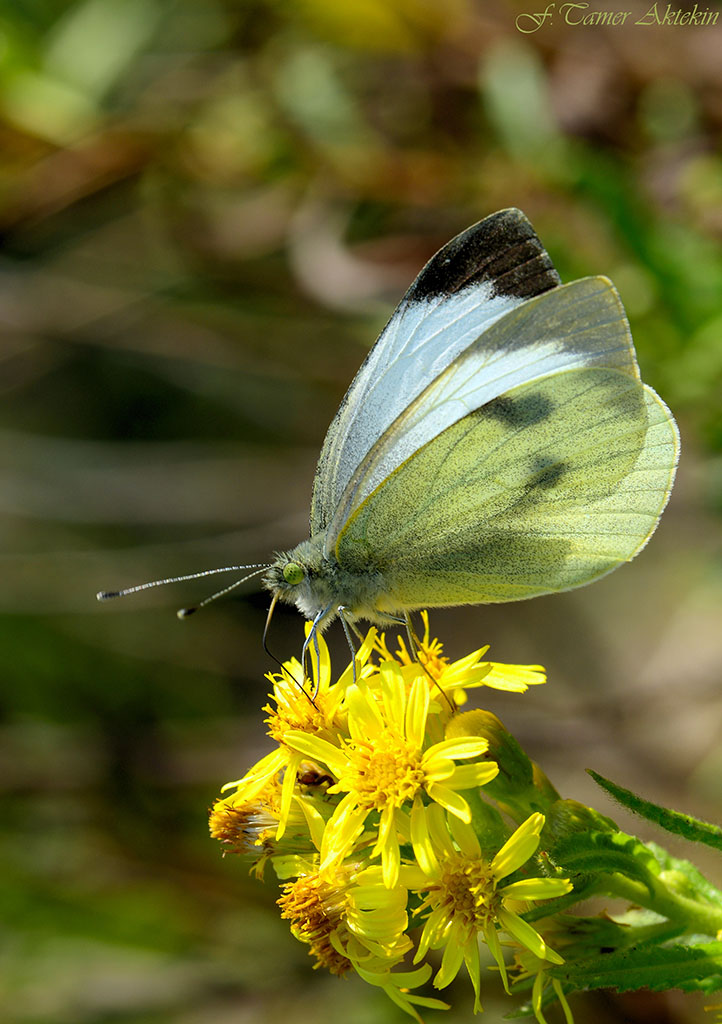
[315,582]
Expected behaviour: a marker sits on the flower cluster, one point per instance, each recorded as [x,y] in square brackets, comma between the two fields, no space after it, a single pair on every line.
[372,811]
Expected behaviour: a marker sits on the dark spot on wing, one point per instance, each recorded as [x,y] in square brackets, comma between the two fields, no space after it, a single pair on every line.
[519,412]
[502,250]
[546,472]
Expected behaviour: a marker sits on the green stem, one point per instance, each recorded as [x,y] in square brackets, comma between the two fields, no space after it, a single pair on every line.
[697,917]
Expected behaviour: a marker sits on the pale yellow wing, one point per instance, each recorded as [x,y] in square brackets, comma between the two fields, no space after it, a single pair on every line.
[575,326]
[545,488]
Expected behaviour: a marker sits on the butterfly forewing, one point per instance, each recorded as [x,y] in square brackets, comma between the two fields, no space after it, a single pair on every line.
[486,271]
[544,488]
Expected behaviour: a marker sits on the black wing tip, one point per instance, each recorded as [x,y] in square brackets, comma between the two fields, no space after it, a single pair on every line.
[502,250]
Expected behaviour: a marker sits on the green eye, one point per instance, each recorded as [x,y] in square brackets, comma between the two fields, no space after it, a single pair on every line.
[293,573]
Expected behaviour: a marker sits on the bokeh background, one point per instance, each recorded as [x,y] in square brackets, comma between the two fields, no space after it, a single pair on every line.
[208,210]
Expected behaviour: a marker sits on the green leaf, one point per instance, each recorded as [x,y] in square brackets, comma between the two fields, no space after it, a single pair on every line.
[673,821]
[594,940]
[594,853]
[698,886]
[688,967]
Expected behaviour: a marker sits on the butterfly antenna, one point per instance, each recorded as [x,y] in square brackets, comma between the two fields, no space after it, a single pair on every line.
[107,595]
[183,613]
[415,644]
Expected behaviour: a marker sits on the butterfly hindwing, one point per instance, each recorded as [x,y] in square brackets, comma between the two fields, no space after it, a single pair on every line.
[569,327]
[545,488]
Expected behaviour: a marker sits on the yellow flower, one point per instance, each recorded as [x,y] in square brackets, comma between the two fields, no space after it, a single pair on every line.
[245,827]
[348,918]
[386,763]
[250,828]
[351,920]
[295,710]
[319,708]
[512,678]
[396,985]
[315,908]
[465,900]
[365,776]
[466,673]
[529,965]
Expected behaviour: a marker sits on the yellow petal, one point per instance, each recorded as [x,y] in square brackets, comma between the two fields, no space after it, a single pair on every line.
[342,829]
[473,966]
[492,940]
[436,822]
[518,848]
[537,993]
[364,718]
[465,838]
[315,821]
[317,749]
[287,790]
[417,710]
[563,1001]
[378,915]
[469,660]
[449,799]
[514,678]
[451,961]
[394,691]
[467,679]
[387,845]
[257,776]
[436,929]
[437,769]
[524,932]
[459,747]
[421,839]
[537,888]
[404,979]
[469,776]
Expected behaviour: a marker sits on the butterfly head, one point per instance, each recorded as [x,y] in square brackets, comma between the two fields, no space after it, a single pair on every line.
[300,577]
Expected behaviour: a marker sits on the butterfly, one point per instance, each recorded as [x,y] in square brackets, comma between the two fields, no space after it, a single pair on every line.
[496,444]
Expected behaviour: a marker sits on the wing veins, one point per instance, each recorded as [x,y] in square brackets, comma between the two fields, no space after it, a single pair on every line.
[514,435]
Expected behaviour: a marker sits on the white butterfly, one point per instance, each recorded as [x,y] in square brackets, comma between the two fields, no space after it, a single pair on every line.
[496,444]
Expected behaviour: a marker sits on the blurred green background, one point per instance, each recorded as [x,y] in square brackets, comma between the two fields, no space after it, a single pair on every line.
[208,210]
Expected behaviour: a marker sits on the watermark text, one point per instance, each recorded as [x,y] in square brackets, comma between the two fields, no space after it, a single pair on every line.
[582,13]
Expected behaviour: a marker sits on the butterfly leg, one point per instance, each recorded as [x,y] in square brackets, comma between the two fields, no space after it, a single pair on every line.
[414,644]
[313,638]
[351,622]
[411,634]
[347,625]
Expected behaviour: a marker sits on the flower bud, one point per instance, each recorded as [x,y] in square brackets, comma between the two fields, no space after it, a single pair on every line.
[520,786]
[564,817]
